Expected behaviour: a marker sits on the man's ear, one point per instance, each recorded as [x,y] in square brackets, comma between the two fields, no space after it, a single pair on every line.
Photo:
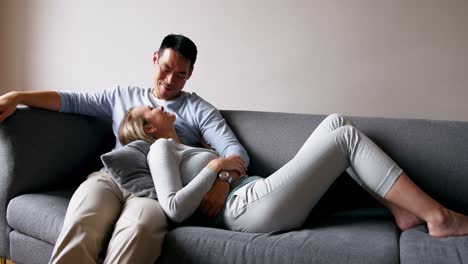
[155,56]
[190,73]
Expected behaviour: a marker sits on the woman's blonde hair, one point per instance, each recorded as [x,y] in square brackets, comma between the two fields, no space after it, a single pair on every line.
[132,128]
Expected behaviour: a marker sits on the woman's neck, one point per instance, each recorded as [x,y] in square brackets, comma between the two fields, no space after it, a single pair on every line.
[170,135]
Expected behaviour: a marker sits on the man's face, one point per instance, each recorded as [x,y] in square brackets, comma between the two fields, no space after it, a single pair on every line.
[171,71]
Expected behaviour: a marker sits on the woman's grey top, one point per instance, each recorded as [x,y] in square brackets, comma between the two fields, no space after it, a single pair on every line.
[180,176]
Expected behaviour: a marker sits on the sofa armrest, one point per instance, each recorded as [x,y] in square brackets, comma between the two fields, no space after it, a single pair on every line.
[43,150]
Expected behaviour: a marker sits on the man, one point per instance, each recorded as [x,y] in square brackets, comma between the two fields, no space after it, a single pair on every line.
[100,209]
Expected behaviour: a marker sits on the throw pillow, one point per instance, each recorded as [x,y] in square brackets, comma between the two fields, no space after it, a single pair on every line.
[129,167]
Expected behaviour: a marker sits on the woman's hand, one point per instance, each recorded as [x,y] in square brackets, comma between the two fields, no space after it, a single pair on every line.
[231,163]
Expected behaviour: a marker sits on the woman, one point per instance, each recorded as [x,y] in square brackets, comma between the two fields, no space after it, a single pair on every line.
[182,175]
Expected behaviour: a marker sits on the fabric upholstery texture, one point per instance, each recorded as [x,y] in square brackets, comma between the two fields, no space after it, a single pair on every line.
[29,250]
[39,215]
[335,240]
[418,247]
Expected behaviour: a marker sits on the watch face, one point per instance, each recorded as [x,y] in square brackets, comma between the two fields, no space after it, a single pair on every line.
[224,175]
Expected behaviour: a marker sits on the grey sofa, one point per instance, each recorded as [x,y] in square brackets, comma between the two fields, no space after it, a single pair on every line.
[45,155]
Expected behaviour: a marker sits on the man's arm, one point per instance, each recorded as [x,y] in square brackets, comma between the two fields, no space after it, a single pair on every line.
[94,104]
[49,100]
[217,135]
[216,132]
[214,200]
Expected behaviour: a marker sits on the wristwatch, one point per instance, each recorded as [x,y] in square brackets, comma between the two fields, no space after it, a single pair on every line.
[225,176]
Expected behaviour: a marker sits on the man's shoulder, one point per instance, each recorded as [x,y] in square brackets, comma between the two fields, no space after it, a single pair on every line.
[191,96]
[196,100]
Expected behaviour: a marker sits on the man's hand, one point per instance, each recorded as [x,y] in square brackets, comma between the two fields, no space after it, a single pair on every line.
[231,163]
[214,200]
[8,103]
[49,100]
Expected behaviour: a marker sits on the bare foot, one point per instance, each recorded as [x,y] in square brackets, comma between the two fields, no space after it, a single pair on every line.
[404,219]
[448,224]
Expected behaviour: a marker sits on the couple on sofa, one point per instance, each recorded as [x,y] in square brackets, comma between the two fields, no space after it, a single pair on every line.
[104,217]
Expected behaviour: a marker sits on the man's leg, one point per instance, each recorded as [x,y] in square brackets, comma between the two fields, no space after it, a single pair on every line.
[91,214]
[139,233]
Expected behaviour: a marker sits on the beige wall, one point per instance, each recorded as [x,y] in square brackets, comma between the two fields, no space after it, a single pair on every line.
[394,58]
[3,75]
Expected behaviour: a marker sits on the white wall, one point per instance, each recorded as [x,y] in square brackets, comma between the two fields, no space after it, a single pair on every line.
[391,58]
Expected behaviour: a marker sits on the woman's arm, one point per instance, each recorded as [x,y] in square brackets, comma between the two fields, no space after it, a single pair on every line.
[178,202]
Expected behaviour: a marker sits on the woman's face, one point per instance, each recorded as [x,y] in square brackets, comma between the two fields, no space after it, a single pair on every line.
[156,118]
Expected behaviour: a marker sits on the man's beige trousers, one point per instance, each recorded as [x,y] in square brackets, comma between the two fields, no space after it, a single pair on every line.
[107,222]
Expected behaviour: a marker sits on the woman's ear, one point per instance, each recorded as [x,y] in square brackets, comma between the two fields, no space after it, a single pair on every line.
[149,129]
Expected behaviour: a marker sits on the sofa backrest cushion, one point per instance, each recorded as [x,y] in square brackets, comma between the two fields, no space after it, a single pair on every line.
[45,150]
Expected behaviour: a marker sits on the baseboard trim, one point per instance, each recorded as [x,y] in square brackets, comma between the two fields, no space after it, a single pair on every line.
[6,261]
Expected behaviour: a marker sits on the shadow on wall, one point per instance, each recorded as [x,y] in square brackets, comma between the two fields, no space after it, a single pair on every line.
[3,27]
[16,18]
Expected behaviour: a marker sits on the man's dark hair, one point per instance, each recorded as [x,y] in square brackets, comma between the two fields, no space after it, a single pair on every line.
[182,45]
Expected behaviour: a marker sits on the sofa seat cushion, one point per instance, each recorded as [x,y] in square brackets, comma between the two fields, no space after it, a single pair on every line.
[417,246]
[334,240]
[39,215]
[26,249]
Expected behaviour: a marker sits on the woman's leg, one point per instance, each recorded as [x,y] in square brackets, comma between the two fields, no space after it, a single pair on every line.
[403,218]
[284,200]
[408,203]
[441,221]
[91,214]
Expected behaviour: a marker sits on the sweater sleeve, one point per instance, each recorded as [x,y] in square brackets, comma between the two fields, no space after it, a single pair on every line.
[93,104]
[178,202]
[217,133]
